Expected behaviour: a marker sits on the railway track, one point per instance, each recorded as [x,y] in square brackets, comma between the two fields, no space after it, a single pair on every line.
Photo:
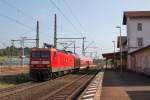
[17,91]
[32,91]
[8,89]
[71,90]
[71,85]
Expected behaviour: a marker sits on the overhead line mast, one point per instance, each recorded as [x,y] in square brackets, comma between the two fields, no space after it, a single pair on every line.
[37,35]
[83,43]
[55,31]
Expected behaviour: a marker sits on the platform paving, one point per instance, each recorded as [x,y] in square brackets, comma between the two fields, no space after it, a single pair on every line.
[128,86]
[93,90]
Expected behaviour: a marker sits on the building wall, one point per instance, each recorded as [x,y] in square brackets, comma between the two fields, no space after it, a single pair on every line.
[140,61]
[133,34]
[129,61]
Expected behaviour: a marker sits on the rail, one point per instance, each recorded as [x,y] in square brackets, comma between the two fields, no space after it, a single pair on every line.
[71,90]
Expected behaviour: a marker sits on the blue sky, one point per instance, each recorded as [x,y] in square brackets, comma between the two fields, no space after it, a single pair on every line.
[98,18]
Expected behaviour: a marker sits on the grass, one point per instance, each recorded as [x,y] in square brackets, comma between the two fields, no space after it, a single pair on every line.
[11,80]
[5,85]
[2,58]
[14,68]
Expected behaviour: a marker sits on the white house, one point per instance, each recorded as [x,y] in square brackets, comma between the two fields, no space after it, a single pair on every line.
[138,30]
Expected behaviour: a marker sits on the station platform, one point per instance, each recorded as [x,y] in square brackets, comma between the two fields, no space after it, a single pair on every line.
[126,86]
[93,90]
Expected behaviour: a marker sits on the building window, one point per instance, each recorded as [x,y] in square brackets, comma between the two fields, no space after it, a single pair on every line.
[139,26]
[140,42]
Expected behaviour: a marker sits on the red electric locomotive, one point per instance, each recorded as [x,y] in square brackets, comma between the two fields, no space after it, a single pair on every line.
[48,62]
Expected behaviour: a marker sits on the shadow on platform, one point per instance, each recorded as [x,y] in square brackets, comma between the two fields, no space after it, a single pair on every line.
[127,78]
[139,95]
[128,86]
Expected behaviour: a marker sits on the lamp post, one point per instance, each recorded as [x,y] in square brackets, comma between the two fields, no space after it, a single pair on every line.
[120,45]
[114,58]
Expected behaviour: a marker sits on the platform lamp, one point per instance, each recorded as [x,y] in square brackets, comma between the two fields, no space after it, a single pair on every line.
[120,45]
[114,58]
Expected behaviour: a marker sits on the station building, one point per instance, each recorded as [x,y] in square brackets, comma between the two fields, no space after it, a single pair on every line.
[136,45]
[138,39]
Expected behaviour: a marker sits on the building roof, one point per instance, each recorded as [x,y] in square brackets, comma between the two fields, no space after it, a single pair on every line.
[134,14]
[111,55]
[140,49]
[123,41]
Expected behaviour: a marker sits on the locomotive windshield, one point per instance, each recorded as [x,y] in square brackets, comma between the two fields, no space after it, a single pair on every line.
[40,54]
[44,54]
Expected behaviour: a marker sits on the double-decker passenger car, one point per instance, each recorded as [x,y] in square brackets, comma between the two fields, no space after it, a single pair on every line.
[85,62]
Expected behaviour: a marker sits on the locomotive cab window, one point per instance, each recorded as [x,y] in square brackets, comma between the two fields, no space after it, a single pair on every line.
[40,54]
[35,54]
[45,54]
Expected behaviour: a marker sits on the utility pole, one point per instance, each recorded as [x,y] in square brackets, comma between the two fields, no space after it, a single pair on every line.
[83,49]
[22,42]
[37,35]
[68,45]
[55,31]
[71,42]
[74,47]
[12,47]
[83,43]
[22,45]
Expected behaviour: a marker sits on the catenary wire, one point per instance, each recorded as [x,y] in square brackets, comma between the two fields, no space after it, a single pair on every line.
[16,21]
[17,9]
[67,19]
[75,17]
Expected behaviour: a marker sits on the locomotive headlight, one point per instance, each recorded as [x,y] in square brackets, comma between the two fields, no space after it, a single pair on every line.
[34,62]
[45,62]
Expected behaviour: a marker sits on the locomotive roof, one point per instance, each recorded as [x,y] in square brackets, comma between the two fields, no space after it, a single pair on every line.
[36,49]
[67,52]
[51,49]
